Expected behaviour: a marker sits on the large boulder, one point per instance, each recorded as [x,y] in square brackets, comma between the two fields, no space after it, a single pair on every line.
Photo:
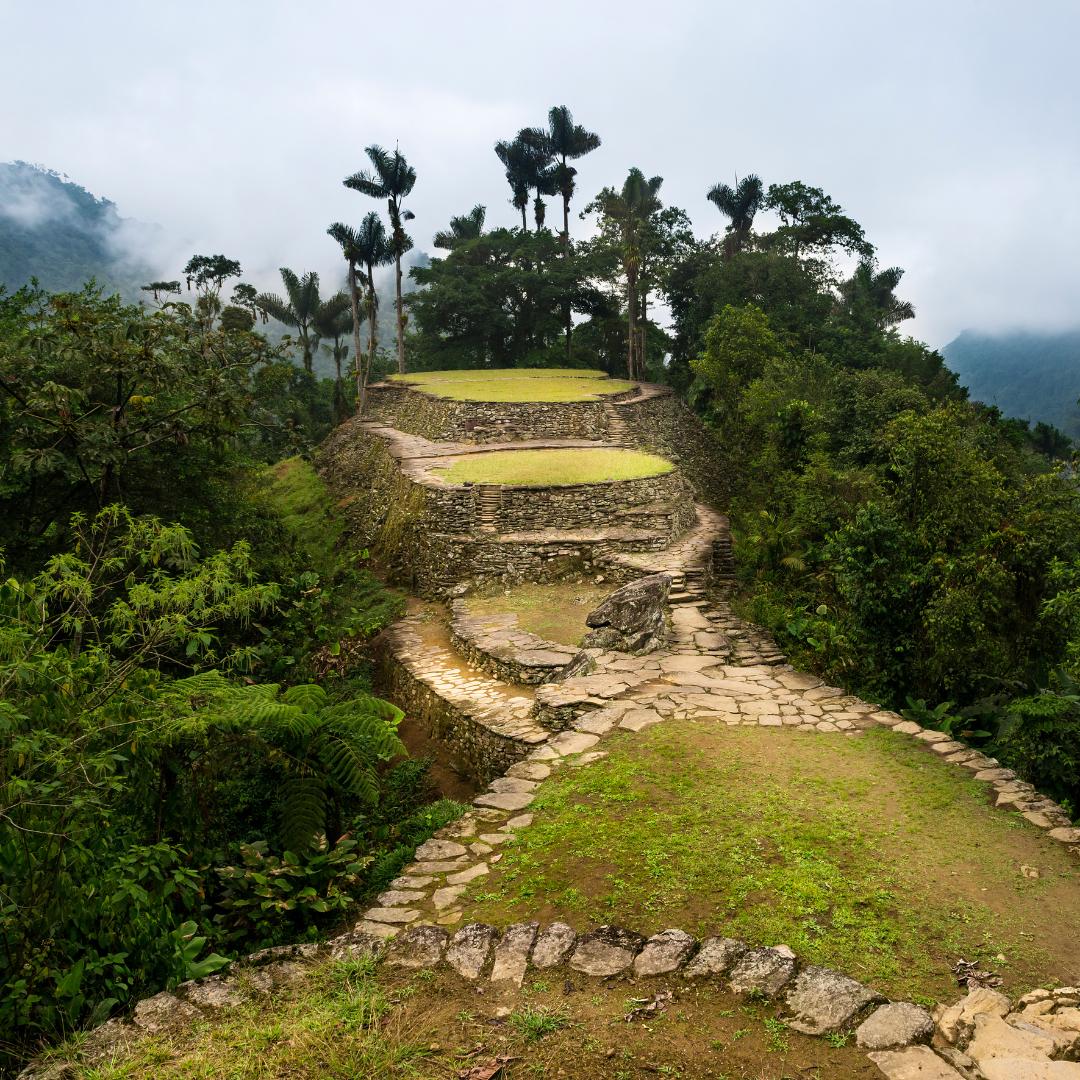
[631,619]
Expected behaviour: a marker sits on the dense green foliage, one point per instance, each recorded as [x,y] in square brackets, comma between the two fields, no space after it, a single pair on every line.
[905,542]
[193,759]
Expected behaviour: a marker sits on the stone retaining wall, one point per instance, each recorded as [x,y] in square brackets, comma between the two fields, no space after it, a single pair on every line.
[659,502]
[448,420]
[484,738]
[497,645]
[664,424]
[430,536]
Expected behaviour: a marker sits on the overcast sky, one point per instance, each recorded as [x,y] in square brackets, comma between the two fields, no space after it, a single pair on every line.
[949,129]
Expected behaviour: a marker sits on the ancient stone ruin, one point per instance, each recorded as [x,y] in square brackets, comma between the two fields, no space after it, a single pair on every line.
[507,706]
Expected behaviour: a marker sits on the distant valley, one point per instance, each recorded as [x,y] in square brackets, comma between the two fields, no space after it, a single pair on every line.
[1030,375]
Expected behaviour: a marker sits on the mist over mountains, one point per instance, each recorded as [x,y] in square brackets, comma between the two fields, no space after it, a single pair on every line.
[1027,373]
[54,230]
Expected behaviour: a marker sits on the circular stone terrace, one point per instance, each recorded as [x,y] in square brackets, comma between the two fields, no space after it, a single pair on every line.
[551,467]
[517,384]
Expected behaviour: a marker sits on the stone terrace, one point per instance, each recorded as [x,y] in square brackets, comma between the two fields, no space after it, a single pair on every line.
[513,707]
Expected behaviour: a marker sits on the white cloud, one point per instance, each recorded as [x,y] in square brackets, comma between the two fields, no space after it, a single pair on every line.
[949,131]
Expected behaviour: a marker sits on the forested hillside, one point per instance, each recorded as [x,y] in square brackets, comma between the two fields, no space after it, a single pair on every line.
[197,764]
[56,231]
[1029,375]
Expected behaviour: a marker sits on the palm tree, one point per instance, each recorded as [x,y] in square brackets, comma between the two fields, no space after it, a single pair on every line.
[392,178]
[565,141]
[333,321]
[871,294]
[375,250]
[518,161]
[740,203]
[349,240]
[540,163]
[466,227]
[629,210]
[299,309]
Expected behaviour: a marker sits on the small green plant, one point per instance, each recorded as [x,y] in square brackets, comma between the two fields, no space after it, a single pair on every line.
[532,1024]
[777,1032]
[267,896]
[838,1038]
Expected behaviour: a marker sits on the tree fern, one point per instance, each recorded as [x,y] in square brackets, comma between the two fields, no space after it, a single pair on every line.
[329,752]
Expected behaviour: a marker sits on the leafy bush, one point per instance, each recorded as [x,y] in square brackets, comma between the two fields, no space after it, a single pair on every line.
[127,746]
[1040,738]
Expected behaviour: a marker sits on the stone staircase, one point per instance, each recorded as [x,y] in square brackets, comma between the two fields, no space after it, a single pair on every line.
[618,430]
[487,502]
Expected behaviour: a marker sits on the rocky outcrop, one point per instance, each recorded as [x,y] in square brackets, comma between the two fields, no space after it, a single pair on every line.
[631,619]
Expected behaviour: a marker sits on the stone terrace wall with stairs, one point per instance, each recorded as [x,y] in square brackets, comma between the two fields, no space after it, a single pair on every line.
[449,420]
[651,417]
[433,535]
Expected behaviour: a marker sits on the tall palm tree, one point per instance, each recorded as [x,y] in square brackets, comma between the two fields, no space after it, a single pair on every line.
[540,162]
[871,294]
[629,210]
[347,237]
[298,309]
[565,141]
[466,227]
[333,321]
[375,251]
[739,203]
[391,178]
[518,160]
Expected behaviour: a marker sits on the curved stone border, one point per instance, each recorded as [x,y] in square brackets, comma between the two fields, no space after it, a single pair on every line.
[496,645]
[983,1036]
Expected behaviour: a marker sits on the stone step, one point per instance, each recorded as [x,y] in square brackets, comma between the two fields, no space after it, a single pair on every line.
[496,645]
[489,722]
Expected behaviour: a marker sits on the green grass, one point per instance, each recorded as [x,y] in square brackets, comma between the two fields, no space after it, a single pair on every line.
[516,384]
[306,508]
[357,602]
[555,612]
[553,467]
[868,855]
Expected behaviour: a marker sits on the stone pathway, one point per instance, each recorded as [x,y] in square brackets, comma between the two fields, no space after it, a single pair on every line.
[715,670]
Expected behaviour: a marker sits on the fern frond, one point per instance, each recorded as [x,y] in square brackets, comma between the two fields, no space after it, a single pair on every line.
[306,696]
[303,811]
[348,767]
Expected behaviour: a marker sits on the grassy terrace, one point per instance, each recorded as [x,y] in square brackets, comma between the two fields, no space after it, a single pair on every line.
[545,468]
[555,612]
[517,384]
[866,854]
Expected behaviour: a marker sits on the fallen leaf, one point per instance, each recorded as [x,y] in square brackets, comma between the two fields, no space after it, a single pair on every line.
[487,1071]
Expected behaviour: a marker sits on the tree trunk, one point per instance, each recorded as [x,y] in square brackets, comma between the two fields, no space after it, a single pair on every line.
[631,327]
[400,315]
[524,219]
[354,303]
[643,330]
[568,318]
[372,328]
